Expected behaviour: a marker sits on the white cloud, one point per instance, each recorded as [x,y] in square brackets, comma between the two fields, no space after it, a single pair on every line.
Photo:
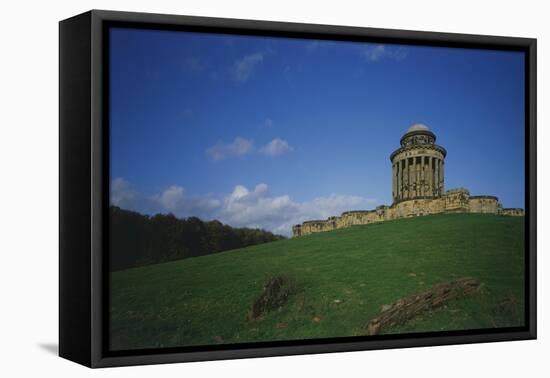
[171,199]
[276,147]
[242,146]
[335,204]
[259,209]
[244,67]
[239,147]
[315,45]
[374,53]
[122,193]
[242,207]
[175,200]
[193,64]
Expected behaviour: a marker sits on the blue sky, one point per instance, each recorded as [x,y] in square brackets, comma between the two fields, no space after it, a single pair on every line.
[268,132]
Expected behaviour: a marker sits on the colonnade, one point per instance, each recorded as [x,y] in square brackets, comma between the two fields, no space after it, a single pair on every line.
[417,176]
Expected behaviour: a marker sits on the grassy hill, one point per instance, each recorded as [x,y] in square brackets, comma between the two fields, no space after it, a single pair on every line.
[340,281]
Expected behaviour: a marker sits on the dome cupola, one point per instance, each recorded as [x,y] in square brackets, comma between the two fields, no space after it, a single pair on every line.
[417,134]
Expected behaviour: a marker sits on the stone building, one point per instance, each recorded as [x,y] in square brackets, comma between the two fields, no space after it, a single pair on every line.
[418,188]
[417,166]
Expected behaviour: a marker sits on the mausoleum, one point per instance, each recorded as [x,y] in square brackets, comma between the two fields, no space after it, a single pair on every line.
[418,188]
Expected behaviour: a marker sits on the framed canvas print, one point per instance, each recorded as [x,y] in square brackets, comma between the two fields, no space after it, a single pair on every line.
[234,188]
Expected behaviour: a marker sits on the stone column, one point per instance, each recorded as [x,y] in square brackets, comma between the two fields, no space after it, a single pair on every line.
[436,176]
[430,177]
[410,172]
[413,177]
[427,177]
[406,178]
[399,180]
[418,177]
[394,181]
[402,177]
[422,176]
[442,176]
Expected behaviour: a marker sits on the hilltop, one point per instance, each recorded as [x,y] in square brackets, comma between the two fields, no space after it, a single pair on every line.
[340,280]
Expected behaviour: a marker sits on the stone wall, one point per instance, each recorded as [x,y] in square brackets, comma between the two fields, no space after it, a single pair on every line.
[514,212]
[452,201]
[485,204]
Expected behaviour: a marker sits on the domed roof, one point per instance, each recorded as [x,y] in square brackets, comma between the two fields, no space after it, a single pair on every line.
[418,127]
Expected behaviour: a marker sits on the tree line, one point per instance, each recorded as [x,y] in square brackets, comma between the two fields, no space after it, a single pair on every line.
[136,239]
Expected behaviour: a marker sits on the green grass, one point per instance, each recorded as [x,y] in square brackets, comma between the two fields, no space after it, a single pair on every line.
[342,279]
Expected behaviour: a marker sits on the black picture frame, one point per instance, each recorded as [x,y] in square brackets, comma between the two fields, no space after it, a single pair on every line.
[84,187]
